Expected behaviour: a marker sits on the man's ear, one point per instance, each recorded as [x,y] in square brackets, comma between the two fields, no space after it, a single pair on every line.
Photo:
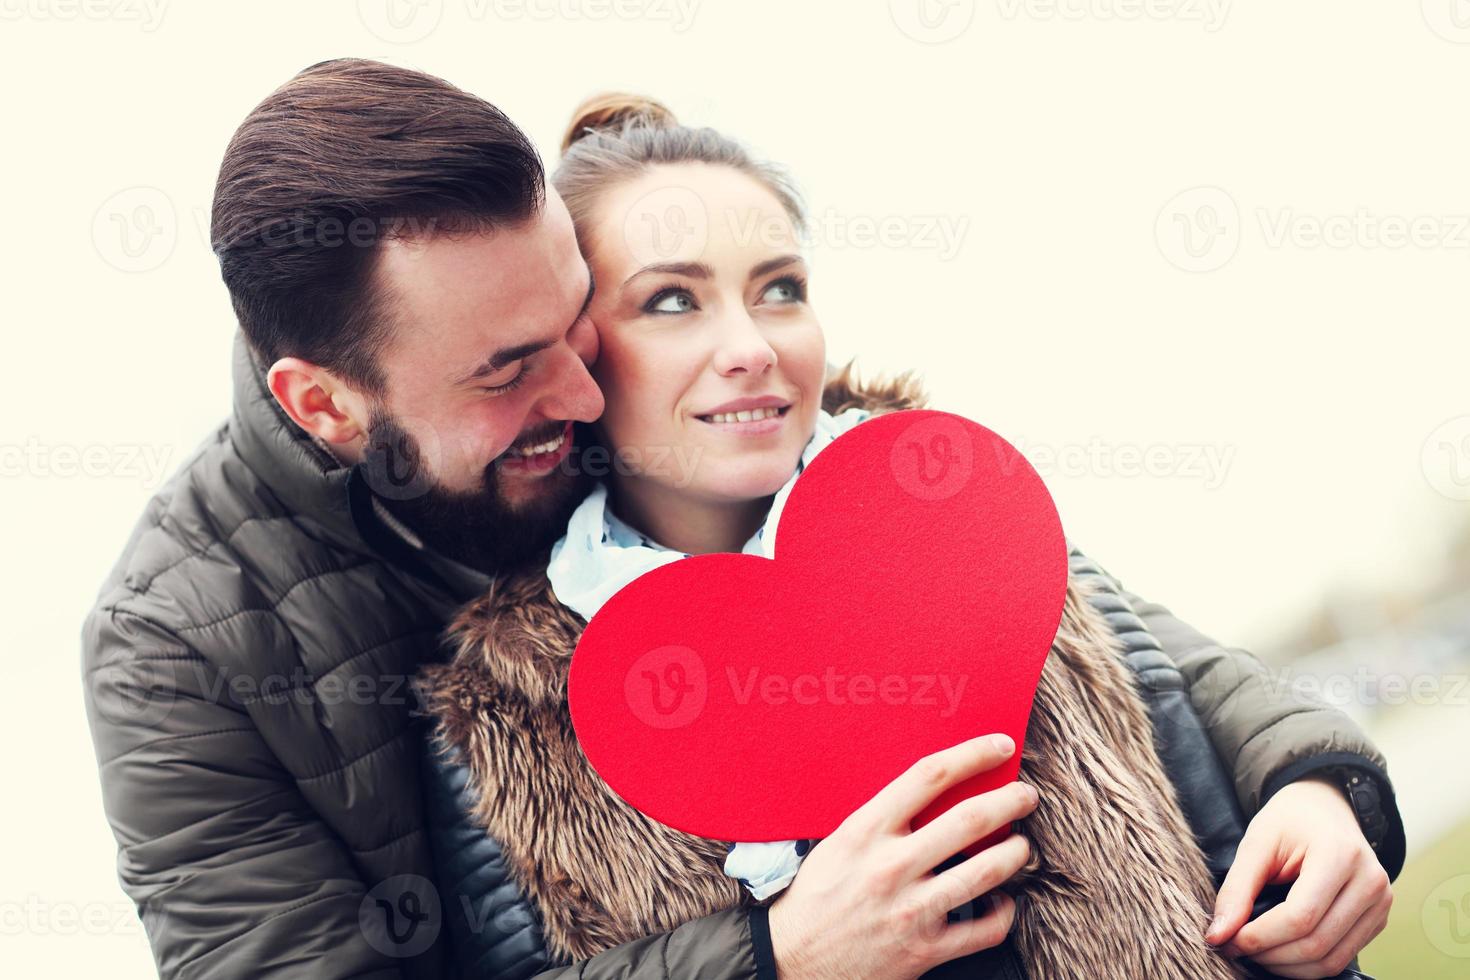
[319,402]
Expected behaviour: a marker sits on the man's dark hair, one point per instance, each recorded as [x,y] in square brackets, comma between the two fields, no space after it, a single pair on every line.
[344,156]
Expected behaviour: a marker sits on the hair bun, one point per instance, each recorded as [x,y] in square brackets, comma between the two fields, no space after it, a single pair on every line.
[615,110]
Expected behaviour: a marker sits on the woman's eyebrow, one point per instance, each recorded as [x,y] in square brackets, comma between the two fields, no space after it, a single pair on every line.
[771,265]
[694,270]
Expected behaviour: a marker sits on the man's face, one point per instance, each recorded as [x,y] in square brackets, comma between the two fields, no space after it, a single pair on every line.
[485,374]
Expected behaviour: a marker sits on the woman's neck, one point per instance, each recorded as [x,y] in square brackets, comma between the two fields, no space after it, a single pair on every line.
[686,523]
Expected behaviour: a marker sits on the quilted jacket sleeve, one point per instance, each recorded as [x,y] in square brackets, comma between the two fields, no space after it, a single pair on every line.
[1268,732]
[716,947]
[232,874]
[495,933]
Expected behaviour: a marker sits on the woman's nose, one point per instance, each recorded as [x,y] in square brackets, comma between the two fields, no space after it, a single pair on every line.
[743,348]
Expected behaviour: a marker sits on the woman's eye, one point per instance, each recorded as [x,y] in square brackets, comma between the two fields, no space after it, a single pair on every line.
[670,301]
[788,290]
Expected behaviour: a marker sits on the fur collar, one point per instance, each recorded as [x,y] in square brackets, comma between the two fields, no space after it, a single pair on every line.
[1116,886]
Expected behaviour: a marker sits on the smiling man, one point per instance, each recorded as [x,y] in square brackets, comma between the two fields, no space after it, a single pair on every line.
[412,357]
[469,412]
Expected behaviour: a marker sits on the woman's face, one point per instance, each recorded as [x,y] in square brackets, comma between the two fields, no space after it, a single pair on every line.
[712,359]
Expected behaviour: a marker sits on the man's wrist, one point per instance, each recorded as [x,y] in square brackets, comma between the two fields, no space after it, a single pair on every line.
[1378,821]
[761,942]
[1364,798]
[1358,790]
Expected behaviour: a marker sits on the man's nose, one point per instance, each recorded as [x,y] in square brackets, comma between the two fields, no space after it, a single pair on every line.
[572,394]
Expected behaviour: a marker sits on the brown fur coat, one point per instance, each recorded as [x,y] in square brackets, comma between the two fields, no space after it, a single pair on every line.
[1116,887]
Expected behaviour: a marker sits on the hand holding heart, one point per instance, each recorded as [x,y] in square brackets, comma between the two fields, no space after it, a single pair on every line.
[865,903]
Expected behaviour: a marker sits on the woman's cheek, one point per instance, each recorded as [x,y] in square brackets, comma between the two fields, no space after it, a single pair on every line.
[636,396]
[610,372]
[808,359]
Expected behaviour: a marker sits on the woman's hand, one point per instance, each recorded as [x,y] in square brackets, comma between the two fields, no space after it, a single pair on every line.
[1340,900]
[866,903]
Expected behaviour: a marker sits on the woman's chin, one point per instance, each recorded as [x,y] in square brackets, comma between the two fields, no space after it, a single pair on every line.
[743,480]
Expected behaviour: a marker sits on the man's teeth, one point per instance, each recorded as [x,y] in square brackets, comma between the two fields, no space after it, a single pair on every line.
[537,450]
[754,415]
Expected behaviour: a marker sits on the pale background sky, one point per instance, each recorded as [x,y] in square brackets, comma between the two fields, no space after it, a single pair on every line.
[1099,233]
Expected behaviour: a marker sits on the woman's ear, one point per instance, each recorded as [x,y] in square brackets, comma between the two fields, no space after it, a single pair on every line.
[319,402]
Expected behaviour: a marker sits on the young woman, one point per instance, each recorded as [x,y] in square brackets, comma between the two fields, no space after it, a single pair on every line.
[714,370]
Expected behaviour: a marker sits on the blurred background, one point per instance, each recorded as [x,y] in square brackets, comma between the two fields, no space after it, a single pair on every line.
[1204,262]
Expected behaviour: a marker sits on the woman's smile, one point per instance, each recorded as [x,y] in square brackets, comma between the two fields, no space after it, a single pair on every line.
[748,416]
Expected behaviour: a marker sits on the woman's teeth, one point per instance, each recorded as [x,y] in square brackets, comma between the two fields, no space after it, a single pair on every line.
[754,415]
[537,450]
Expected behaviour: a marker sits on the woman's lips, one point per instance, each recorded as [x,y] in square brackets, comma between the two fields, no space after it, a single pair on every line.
[747,422]
[538,460]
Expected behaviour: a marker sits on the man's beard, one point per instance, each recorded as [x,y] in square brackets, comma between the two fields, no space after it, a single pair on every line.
[479,527]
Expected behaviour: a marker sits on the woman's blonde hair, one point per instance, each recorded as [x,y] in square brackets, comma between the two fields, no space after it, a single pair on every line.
[616,136]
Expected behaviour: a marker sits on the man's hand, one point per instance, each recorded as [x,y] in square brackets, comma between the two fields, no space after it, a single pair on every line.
[1306,833]
[866,903]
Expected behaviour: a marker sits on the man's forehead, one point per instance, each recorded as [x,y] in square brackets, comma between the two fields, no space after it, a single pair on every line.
[505,287]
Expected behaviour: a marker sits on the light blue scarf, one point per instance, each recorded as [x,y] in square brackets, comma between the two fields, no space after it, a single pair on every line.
[601,553]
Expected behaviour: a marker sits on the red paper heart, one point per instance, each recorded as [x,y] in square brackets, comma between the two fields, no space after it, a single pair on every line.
[918,584]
